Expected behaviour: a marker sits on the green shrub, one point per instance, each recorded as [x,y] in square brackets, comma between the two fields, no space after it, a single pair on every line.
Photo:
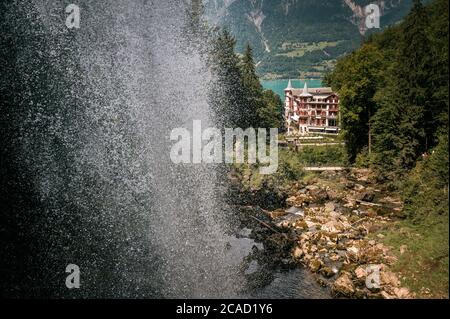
[425,232]
[425,192]
[363,159]
[330,155]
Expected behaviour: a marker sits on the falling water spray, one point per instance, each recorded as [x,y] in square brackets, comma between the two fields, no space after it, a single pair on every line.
[90,115]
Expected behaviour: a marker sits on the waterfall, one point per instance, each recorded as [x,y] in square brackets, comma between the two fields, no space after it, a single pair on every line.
[90,117]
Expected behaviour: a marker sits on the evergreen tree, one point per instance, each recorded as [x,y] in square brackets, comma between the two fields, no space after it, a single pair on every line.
[197,30]
[263,107]
[227,94]
[413,73]
[270,116]
[396,87]
[253,90]
[439,45]
[403,127]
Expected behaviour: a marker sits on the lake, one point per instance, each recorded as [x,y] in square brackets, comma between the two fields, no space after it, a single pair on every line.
[278,86]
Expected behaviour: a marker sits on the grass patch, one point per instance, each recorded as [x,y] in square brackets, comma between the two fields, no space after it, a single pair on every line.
[424,263]
[290,166]
[300,49]
[423,266]
[326,155]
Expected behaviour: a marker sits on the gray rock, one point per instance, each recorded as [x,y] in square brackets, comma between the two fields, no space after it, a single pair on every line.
[293,210]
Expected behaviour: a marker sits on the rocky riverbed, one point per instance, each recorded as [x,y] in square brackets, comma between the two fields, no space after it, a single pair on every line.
[329,224]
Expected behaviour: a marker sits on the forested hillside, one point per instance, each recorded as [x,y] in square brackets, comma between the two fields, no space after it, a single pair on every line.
[394,102]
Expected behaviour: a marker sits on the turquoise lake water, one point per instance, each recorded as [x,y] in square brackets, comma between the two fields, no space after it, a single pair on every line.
[278,86]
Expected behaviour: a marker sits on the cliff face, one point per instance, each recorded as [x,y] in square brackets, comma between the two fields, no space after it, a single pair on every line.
[289,36]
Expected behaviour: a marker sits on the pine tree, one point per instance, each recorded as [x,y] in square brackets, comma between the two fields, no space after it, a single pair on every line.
[413,72]
[197,30]
[226,94]
[395,89]
[270,116]
[263,107]
[253,90]
[403,127]
[439,46]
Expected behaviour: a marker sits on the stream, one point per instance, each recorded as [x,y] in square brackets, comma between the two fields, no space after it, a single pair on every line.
[272,282]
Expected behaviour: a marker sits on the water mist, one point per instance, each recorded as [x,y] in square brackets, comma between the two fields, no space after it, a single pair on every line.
[90,127]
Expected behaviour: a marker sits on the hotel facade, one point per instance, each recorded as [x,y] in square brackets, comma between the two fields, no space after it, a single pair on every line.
[313,110]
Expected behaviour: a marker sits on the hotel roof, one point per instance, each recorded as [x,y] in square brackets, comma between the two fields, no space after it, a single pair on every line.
[314,91]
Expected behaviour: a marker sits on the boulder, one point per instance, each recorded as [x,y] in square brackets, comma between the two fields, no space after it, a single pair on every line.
[297,253]
[348,184]
[319,194]
[385,295]
[335,194]
[335,215]
[315,265]
[350,201]
[277,213]
[301,199]
[301,225]
[362,174]
[402,293]
[327,272]
[291,201]
[360,273]
[353,253]
[388,278]
[331,245]
[360,294]
[292,210]
[331,227]
[312,188]
[335,257]
[304,236]
[321,282]
[310,224]
[330,207]
[344,285]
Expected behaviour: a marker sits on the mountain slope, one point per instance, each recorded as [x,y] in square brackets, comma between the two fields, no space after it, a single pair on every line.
[293,38]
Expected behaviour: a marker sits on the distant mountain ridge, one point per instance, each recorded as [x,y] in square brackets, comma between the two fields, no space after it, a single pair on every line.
[299,38]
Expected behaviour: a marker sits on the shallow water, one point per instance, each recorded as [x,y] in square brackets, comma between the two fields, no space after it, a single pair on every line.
[292,284]
[297,283]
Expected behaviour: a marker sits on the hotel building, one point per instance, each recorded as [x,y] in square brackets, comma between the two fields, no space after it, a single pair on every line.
[313,110]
